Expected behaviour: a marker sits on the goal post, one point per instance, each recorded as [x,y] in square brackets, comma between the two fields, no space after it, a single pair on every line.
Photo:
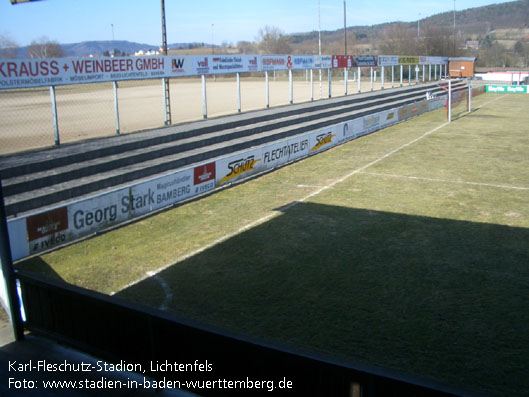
[457,91]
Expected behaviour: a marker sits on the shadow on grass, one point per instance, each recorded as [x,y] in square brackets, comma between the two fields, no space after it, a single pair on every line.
[39,266]
[437,298]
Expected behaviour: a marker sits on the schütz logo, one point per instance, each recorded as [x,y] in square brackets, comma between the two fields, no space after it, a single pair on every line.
[239,167]
[323,139]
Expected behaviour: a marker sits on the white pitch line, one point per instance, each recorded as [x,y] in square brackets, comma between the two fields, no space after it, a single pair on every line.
[276,213]
[446,181]
[308,186]
[167,291]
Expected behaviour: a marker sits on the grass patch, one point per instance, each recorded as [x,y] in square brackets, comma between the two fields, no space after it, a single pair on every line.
[417,263]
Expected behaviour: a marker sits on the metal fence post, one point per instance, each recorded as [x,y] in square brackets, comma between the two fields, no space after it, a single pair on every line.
[238,93]
[267,91]
[382,76]
[291,83]
[392,76]
[54,114]
[204,98]
[116,107]
[329,75]
[359,77]
[311,84]
[401,73]
[469,95]
[345,78]
[449,101]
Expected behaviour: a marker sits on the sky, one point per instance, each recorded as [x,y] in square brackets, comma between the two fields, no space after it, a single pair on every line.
[208,21]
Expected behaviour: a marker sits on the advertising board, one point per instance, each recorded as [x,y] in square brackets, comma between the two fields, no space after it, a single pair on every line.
[20,73]
[506,89]
[366,60]
[221,64]
[274,62]
[388,60]
[408,60]
[239,166]
[323,139]
[323,62]
[408,111]
[302,62]
[48,229]
[342,61]
[282,152]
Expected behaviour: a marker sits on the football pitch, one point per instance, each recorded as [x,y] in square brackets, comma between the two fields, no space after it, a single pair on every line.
[407,249]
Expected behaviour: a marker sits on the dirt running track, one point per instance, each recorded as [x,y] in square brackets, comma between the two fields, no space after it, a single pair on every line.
[87,111]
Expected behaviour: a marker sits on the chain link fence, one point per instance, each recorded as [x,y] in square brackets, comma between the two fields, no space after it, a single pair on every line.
[88,111]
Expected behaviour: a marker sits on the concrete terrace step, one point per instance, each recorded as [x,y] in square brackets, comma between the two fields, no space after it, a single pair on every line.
[20,164]
[41,178]
[28,191]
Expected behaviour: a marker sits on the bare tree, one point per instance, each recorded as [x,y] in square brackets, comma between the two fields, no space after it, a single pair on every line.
[8,48]
[271,40]
[436,41]
[44,48]
[399,39]
[246,47]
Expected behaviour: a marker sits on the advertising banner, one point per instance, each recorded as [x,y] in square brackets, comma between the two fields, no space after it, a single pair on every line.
[49,229]
[61,71]
[181,66]
[362,61]
[507,89]
[275,62]
[158,193]
[437,102]
[221,64]
[408,60]
[323,139]
[433,60]
[302,62]
[342,61]
[388,60]
[204,177]
[351,130]
[239,166]
[377,121]
[282,152]
[323,62]
[408,111]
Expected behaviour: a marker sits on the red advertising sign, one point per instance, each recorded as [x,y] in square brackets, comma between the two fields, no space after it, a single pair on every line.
[47,223]
[204,173]
[342,61]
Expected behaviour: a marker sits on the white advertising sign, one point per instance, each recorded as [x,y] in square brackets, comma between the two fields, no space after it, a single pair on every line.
[238,166]
[276,62]
[323,139]
[44,230]
[388,60]
[302,62]
[233,63]
[61,71]
[352,129]
[375,122]
[323,62]
[282,152]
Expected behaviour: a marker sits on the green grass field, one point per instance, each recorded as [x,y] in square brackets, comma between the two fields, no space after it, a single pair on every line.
[407,249]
